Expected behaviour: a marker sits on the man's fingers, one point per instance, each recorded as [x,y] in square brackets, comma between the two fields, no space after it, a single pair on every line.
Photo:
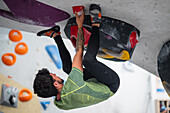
[76,14]
[83,13]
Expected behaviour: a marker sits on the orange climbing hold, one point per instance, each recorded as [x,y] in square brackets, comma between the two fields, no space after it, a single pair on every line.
[9,59]
[9,76]
[21,48]
[15,35]
[25,95]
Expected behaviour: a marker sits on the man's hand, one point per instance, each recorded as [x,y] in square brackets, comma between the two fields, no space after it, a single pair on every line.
[80,19]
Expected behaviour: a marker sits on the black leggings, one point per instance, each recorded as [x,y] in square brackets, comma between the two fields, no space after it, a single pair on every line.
[93,68]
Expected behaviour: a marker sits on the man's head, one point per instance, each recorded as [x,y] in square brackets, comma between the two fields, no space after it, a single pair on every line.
[47,84]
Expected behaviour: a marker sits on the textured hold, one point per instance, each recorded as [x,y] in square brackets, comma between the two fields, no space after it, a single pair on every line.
[54,54]
[115,35]
[21,48]
[163,60]
[29,13]
[9,42]
[38,63]
[15,35]
[45,104]
[9,59]
[25,95]
[38,49]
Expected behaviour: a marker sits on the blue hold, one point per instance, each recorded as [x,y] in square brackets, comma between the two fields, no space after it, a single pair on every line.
[45,104]
[53,52]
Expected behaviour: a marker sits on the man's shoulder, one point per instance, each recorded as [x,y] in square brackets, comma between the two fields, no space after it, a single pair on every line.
[76,71]
[76,75]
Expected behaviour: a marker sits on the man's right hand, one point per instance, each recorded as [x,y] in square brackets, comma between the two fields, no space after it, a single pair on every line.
[80,19]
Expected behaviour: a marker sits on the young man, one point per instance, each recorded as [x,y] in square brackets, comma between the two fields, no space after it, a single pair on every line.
[84,86]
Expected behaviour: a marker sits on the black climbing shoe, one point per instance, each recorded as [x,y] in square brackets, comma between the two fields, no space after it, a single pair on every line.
[49,32]
[95,13]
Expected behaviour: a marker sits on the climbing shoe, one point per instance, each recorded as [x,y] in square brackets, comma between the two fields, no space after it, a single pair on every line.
[95,13]
[49,32]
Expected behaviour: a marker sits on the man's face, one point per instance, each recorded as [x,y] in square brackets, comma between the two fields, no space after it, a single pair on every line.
[58,83]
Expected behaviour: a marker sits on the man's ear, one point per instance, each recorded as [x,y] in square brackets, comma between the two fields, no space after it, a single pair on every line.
[55,84]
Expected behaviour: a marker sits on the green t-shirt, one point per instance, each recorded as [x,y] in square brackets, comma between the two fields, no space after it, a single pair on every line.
[78,93]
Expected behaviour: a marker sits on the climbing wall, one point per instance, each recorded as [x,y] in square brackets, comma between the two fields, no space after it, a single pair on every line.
[151,17]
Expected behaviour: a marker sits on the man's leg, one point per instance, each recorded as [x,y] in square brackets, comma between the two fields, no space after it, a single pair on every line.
[100,71]
[64,54]
[86,74]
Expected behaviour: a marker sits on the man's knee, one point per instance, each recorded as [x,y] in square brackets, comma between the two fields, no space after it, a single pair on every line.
[88,60]
[67,68]
[115,86]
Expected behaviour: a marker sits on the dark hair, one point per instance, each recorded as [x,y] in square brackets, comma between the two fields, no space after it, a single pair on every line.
[43,84]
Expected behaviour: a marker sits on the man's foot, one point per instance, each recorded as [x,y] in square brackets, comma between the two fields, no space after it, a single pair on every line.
[49,32]
[95,13]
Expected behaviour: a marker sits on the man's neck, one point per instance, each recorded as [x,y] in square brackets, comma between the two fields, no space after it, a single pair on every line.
[58,96]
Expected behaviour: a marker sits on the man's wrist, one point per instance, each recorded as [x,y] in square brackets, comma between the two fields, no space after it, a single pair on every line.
[80,26]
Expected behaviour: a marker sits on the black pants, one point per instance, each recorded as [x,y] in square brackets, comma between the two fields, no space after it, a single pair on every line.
[93,68]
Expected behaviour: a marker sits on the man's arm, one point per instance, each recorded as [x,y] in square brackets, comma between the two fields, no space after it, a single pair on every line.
[77,60]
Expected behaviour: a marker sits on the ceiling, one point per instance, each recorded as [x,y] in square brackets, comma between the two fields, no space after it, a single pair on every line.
[151,17]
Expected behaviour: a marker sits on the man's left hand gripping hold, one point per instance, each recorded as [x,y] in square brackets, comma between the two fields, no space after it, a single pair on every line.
[77,60]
